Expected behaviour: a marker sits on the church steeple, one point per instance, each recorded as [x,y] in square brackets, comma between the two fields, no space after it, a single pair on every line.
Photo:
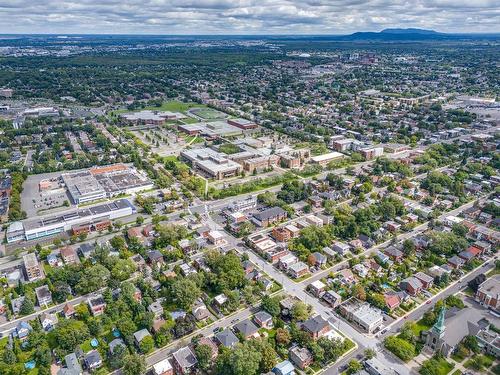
[439,326]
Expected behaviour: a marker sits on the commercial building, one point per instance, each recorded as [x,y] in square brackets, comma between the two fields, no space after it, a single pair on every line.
[214,164]
[242,123]
[105,182]
[362,314]
[327,158]
[260,163]
[211,130]
[90,218]
[150,117]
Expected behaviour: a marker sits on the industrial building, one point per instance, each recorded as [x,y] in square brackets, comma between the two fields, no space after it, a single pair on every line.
[92,218]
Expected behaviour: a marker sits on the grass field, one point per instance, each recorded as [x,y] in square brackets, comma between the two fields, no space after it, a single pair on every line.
[209,114]
[175,106]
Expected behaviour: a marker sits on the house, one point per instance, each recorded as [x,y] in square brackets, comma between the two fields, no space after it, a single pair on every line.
[96,305]
[48,321]
[69,255]
[361,270]
[395,254]
[383,258]
[425,279]
[140,335]
[392,301]
[216,238]
[317,287]
[22,330]
[316,327]
[319,259]
[332,298]
[200,311]
[411,285]
[43,295]
[220,299]
[284,368]
[163,368]
[92,360]
[286,261]
[456,262]
[72,366]
[392,226]
[488,293]
[281,234]
[116,343]
[269,216]
[226,338]
[347,277]
[263,319]
[466,255]
[341,248]
[140,263]
[247,329]
[156,308]
[68,310]
[298,269]
[155,257]
[86,250]
[300,357]
[209,342]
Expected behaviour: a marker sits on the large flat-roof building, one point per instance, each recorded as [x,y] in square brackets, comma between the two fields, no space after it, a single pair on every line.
[213,129]
[32,267]
[327,158]
[90,217]
[212,163]
[361,313]
[150,117]
[107,181]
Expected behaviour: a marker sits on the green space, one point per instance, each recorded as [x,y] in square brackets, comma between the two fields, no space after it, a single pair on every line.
[176,106]
[436,366]
[229,148]
[479,362]
[208,113]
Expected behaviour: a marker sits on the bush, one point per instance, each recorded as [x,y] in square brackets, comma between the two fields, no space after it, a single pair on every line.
[400,348]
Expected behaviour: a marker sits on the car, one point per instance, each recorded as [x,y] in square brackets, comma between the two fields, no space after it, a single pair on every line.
[428,302]
[383,331]
[217,329]
[405,317]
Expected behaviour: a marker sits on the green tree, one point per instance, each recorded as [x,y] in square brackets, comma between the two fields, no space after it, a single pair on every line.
[354,366]
[271,305]
[370,353]
[123,269]
[134,364]
[27,307]
[203,353]
[116,359]
[69,333]
[401,348]
[185,292]
[300,311]
[147,344]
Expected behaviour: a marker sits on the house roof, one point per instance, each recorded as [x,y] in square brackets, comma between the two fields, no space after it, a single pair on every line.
[263,316]
[269,213]
[413,282]
[424,277]
[246,327]
[141,334]
[92,357]
[227,338]
[315,324]
[185,357]
[285,367]
[116,342]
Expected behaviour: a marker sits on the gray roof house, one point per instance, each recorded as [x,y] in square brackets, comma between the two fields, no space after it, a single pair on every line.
[72,366]
[227,338]
[246,328]
[140,335]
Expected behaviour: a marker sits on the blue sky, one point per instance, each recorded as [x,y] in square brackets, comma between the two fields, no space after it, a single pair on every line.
[245,16]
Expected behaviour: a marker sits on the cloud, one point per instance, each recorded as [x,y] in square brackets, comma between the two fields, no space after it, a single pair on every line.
[245,16]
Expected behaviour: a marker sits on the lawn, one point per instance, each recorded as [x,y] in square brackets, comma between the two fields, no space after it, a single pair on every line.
[441,365]
[175,106]
[457,372]
[209,114]
[479,362]
[419,327]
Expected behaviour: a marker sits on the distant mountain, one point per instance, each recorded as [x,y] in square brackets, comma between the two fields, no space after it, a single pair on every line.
[399,34]
[409,31]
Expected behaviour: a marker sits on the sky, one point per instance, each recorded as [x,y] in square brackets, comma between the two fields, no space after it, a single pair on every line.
[168,17]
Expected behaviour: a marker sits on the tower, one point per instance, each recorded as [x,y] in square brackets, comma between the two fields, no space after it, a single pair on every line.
[434,340]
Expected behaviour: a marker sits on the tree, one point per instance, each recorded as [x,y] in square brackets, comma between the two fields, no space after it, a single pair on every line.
[123,269]
[185,292]
[69,333]
[147,344]
[116,359]
[243,360]
[27,307]
[300,311]
[283,337]
[93,278]
[271,305]
[354,366]
[370,353]
[9,357]
[203,353]
[401,348]
[134,364]
[471,343]
[430,367]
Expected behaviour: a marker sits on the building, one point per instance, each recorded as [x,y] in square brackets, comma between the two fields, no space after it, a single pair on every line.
[92,360]
[212,163]
[488,293]
[316,326]
[184,360]
[260,163]
[425,279]
[90,218]
[163,368]
[374,367]
[300,357]
[226,338]
[69,255]
[269,216]
[73,367]
[48,321]
[247,329]
[263,319]
[242,123]
[317,287]
[97,305]
[43,295]
[370,153]
[361,313]
[147,117]
[83,187]
[332,298]
[411,285]
[140,335]
[284,368]
[32,267]
[323,160]
[298,270]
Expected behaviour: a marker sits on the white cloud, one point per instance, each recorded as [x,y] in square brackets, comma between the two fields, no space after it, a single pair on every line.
[245,16]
